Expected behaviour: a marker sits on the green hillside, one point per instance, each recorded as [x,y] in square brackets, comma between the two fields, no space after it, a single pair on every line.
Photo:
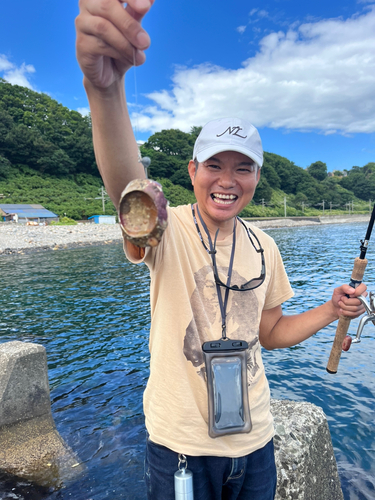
[46,157]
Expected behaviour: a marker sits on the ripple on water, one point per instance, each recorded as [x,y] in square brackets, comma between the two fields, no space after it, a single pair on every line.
[90,309]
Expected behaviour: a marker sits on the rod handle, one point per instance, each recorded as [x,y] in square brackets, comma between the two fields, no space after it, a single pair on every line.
[344,321]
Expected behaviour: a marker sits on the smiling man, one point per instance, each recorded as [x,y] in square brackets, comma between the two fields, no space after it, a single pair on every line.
[229,153]
[217,285]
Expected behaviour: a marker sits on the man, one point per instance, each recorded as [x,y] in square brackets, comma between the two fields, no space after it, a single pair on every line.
[212,277]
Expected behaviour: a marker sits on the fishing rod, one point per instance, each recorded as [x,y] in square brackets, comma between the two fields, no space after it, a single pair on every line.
[360,264]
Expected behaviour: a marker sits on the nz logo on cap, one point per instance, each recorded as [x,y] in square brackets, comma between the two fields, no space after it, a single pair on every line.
[233,131]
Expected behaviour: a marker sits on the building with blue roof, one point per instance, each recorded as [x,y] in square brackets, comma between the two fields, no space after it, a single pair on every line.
[25,213]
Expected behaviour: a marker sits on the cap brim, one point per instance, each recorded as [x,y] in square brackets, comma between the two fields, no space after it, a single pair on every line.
[209,152]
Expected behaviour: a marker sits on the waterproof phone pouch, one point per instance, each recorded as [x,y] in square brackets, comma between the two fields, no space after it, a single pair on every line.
[228,399]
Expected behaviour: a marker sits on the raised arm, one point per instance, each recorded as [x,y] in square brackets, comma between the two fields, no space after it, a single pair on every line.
[110,40]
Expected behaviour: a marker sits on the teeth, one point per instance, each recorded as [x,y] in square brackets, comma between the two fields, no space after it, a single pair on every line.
[225,196]
[223,199]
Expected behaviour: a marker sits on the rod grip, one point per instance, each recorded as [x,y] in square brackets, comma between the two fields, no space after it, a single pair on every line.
[344,321]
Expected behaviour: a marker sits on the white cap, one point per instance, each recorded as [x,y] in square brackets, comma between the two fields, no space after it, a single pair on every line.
[228,134]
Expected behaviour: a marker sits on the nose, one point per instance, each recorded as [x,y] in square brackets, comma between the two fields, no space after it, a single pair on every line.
[227,180]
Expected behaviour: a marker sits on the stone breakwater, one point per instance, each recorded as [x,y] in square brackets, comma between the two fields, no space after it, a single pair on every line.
[21,239]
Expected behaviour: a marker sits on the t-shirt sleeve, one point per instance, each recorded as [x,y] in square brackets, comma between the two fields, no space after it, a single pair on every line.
[279,289]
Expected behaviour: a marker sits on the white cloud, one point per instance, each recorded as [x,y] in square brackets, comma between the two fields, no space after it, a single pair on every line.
[241,29]
[262,13]
[318,76]
[83,111]
[16,75]
[4,63]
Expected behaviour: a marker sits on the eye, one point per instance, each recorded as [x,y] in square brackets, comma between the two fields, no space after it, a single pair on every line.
[248,169]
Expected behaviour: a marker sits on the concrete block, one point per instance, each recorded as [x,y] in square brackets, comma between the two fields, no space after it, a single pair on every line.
[30,445]
[24,388]
[305,461]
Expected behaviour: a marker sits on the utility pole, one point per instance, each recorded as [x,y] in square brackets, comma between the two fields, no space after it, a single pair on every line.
[303,207]
[323,207]
[103,200]
[103,194]
[330,207]
[284,206]
[262,203]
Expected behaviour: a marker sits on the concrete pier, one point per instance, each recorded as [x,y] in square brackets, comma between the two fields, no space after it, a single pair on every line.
[30,446]
[306,465]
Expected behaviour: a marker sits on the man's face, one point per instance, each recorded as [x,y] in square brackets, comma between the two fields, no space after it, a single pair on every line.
[224,185]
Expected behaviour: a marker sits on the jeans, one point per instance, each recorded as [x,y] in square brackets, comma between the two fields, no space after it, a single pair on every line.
[252,477]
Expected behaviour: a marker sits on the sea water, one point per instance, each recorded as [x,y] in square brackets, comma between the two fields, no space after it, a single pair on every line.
[90,309]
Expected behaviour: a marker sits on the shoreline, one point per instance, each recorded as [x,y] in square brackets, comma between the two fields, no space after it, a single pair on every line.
[17,239]
[278,222]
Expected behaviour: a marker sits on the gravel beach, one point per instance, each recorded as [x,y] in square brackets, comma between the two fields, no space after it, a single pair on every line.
[21,239]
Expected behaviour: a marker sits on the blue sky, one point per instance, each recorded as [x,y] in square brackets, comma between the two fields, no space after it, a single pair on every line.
[302,72]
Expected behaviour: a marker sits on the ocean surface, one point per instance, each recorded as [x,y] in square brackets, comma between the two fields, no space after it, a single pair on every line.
[90,309]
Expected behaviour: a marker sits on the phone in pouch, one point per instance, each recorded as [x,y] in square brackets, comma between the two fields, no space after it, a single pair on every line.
[228,399]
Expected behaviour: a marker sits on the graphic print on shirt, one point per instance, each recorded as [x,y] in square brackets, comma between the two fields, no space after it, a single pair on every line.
[242,324]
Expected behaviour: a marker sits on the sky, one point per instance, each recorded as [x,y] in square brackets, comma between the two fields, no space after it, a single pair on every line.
[302,72]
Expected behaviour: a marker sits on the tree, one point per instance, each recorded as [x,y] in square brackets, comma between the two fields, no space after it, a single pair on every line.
[318,170]
[263,191]
[58,162]
[195,131]
[170,152]
[269,173]
[361,181]
[172,142]
[5,168]
[33,127]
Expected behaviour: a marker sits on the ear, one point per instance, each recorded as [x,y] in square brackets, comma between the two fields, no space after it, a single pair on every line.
[192,170]
[258,174]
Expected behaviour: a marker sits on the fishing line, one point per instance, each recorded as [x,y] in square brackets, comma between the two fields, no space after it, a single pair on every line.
[136,126]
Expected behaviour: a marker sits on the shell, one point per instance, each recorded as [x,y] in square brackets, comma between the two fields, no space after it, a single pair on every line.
[143,212]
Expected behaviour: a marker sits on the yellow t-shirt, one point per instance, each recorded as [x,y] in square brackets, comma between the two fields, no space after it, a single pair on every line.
[185,313]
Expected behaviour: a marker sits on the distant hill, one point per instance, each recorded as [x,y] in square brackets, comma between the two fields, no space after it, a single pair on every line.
[46,157]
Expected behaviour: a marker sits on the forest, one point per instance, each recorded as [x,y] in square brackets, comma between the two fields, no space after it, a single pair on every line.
[46,157]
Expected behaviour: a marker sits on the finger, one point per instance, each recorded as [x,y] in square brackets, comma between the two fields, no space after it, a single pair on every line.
[351,314]
[92,47]
[353,309]
[346,290]
[350,301]
[360,290]
[139,7]
[114,12]
[138,11]
[104,39]
[351,306]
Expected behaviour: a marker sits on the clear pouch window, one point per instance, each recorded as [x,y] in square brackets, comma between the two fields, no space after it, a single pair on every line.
[228,400]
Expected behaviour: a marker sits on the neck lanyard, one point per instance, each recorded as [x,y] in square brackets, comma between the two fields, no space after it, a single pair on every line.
[212,253]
